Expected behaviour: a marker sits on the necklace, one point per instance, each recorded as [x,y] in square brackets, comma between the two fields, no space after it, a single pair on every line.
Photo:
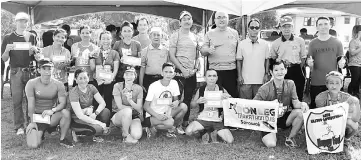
[53,48]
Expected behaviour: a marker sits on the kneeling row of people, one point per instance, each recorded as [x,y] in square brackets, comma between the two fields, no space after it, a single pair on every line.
[43,92]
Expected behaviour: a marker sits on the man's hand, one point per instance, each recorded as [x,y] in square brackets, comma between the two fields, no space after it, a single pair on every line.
[240,80]
[161,117]
[225,96]
[9,47]
[47,112]
[310,62]
[93,116]
[33,50]
[201,100]
[304,107]
[185,72]
[211,50]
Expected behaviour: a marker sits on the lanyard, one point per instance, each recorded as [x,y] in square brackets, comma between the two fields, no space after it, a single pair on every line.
[329,100]
[279,97]
[105,54]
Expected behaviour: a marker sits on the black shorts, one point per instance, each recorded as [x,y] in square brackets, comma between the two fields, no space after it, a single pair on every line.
[281,123]
[45,127]
[210,126]
[146,122]
[135,114]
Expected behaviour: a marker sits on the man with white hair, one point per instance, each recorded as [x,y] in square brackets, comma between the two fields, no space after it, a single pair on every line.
[153,57]
[19,47]
[220,45]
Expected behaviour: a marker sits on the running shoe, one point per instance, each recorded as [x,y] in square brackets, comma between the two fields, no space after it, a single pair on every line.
[98,139]
[180,130]
[66,143]
[347,147]
[291,142]
[205,138]
[171,135]
[214,136]
[20,131]
[151,131]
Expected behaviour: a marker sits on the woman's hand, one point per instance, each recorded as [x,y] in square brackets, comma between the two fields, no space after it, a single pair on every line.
[47,112]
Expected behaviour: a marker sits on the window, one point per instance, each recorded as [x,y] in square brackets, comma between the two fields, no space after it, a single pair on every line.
[309,21]
[347,20]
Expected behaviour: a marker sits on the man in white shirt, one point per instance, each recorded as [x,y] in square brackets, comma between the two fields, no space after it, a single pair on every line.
[164,110]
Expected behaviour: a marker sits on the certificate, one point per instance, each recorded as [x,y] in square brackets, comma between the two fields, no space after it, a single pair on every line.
[214,99]
[133,61]
[59,58]
[163,101]
[38,118]
[105,75]
[22,45]
[102,73]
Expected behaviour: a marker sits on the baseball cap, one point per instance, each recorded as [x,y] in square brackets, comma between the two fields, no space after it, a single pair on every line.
[286,20]
[130,69]
[334,74]
[184,13]
[45,63]
[156,29]
[22,15]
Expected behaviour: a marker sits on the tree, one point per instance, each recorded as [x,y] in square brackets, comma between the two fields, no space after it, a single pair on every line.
[269,19]
[7,23]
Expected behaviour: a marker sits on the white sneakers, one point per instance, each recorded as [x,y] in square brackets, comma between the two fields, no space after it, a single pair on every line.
[20,131]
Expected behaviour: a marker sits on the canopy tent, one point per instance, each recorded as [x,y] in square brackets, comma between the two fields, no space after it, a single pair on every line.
[48,10]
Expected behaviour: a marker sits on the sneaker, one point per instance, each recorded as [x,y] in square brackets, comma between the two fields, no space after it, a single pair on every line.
[214,136]
[75,137]
[151,131]
[171,135]
[180,130]
[20,131]
[66,143]
[291,142]
[205,138]
[106,131]
[98,139]
[129,139]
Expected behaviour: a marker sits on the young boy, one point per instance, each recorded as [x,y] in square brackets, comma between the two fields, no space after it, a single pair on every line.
[334,95]
[164,111]
[209,118]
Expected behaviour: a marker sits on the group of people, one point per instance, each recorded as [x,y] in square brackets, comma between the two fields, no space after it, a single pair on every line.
[154,87]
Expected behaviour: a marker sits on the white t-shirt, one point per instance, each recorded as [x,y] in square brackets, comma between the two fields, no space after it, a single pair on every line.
[157,90]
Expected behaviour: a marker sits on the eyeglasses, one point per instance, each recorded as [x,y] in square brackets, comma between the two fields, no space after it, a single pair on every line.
[254,28]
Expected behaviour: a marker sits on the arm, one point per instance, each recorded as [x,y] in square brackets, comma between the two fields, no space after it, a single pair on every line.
[303,53]
[355,103]
[61,97]
[101,102]
[5,50]
[79,113]
[195,99]
[29,91]
[115,69]
[174,60]
[92,64]
[354,49]
[137,106]
[205,49]
[148,109]
[142,68]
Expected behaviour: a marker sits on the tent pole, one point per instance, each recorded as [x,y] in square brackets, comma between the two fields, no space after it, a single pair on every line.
[244,26]
[205,25]
[31,13]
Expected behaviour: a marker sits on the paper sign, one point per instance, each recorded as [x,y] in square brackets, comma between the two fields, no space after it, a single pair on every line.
[133,61]
[59,58]
[325,128]
[38,118]
[250,114]
[163,101]
[22,45]
[214,99]
[104,75]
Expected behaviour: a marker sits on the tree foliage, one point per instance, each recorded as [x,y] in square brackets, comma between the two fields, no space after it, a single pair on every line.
[7,23]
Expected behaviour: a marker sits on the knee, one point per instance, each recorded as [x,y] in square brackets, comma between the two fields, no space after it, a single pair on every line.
[183,107]
[169,122]
[126,112]
[269,143]
[104,115]
[136,132]
[189,131]
[226,135]
[66,113]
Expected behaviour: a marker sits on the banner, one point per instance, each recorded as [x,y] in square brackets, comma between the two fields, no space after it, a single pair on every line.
[325,128]
[251,114]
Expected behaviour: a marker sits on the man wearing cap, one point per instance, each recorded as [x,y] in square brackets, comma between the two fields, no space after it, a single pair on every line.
[153,57]
[323,53]
[252,75]
[221,46]
[47,98]
[292,51]
[19,47]
[183,52]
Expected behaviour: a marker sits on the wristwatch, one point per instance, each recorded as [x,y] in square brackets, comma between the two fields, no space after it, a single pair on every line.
[53,109]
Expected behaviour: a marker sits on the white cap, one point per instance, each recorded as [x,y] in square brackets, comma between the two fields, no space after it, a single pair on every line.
[22,15]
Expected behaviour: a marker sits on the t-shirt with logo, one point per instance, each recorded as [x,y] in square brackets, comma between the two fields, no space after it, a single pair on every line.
[85,99]
[225,44]
[133,49]
[292,50]
[46,95]
[59,71]
[324,54]
[119,90]
[157,90]
[82,56]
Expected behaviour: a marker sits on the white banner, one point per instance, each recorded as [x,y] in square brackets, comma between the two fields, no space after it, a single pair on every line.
[325,128]
[251,114]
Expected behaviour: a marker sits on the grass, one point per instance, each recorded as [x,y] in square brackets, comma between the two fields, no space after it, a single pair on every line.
[247,145]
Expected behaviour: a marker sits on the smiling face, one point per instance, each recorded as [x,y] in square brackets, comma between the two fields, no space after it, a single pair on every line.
[155,37]
[85,34]
[211,77]
[334,84]
[279,71]
[221,19]
[253,29]
[186,22]
[323,26]
[45,72]
[105,40]
[82,79]
[127,32]
[129,77]
[22,24]
[59,38]
[143,26]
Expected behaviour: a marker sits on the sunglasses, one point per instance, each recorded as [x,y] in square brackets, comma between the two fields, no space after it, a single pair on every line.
[254,28]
